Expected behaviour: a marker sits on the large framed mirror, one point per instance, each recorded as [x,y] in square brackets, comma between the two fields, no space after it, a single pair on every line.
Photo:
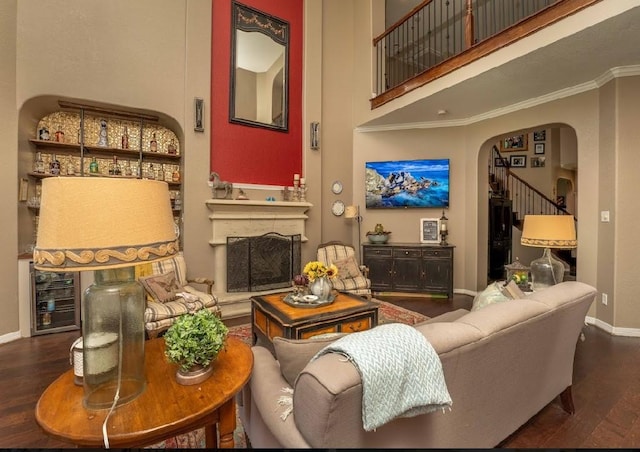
[259,69]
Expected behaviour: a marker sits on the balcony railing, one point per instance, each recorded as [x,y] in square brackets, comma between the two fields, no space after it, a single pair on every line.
[439,36]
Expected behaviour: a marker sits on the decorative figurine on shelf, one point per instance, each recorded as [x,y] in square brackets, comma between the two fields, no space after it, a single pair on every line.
[125,138]
[218,186]
[103,139]
[242,195]
[59,135]
[171,147]
[43,133]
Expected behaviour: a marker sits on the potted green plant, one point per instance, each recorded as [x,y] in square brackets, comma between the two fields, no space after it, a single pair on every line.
[193,342]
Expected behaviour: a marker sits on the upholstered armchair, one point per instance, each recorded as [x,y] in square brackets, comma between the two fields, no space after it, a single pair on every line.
[352,277]
[170,294]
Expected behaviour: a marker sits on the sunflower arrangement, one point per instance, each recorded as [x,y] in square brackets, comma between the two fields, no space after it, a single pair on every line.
[317,269]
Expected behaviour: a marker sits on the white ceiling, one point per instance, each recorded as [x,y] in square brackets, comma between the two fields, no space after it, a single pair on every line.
[256,52]
[546,65]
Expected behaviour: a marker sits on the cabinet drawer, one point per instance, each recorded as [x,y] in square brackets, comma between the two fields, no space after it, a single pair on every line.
[354,326]
[314,332]
[407,252]
[435,252]
[377,252]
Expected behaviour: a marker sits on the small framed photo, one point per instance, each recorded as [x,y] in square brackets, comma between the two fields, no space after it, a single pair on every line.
[538,148]
[429,230]
[537,162]
[540,135]
[500,161]
[514,143]
[518,161]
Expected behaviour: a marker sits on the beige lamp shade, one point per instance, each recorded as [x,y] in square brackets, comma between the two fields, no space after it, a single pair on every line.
[351,212]
[94,223]
[549,231]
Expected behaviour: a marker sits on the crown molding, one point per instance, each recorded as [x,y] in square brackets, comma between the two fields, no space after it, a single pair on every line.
[617,72]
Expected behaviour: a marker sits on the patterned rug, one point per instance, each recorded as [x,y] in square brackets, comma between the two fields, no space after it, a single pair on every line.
[387,313]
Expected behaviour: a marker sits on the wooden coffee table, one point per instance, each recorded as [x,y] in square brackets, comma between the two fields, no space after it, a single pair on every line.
[272,317]
[163,410]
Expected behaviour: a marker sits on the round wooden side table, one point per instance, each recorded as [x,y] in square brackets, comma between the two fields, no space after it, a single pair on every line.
[163,410]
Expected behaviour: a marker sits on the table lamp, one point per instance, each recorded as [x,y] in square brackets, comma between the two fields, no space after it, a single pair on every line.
[107,225]
[548,231]
[353,212]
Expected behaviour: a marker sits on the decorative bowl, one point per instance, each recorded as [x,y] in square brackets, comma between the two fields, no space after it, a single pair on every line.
[378,238]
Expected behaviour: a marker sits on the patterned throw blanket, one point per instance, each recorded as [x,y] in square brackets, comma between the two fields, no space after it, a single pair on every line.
[401,372]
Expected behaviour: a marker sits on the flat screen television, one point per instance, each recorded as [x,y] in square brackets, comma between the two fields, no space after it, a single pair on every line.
[407,183]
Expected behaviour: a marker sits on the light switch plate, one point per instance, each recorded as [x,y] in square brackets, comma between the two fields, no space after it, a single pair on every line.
[604,216]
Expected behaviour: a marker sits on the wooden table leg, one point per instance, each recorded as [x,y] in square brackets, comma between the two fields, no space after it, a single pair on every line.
[227,424]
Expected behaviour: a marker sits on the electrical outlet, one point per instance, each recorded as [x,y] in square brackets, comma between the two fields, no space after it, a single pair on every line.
[605,299]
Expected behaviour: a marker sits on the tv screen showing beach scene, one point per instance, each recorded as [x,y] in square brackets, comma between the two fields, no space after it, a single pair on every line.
[407,183]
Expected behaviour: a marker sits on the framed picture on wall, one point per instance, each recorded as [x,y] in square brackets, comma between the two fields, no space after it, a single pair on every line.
[518,161]
[537,162]
[514,143]
[539,148]
[429,230]
[540,135]
[500,161]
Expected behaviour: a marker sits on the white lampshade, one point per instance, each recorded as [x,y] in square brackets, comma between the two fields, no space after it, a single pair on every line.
[93,223]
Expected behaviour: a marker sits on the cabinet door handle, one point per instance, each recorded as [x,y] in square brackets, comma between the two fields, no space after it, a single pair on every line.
[406,253]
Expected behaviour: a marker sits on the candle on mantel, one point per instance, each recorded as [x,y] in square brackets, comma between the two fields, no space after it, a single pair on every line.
[302,181]
[296,176]
[443,226]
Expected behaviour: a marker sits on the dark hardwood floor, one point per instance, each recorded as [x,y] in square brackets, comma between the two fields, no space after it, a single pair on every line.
[606,388]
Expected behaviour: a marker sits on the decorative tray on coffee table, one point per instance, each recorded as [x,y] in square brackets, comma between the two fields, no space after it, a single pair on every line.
[307,301]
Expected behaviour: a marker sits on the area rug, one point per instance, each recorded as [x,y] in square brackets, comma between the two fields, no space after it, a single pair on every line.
[387,313]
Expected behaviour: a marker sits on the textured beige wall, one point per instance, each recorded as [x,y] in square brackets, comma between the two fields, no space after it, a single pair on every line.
[9,182]
[626,212]
[152,55]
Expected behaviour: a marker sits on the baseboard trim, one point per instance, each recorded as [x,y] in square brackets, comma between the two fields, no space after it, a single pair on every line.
[614,331]
[10,337]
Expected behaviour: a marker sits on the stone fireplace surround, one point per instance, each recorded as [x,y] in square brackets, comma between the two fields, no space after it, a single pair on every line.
[233,218]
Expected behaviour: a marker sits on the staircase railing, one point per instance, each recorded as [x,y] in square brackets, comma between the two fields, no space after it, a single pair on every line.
[439,36]
[525,199]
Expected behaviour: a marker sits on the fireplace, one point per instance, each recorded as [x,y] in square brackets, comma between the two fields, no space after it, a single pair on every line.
[246,219]
[264,262]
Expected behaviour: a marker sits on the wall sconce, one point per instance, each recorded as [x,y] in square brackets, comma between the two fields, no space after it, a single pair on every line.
[314,140]
[353,212]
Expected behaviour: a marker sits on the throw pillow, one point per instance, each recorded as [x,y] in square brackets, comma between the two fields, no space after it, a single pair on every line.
[347,268]
[492,294]
[163,287]
[294,354]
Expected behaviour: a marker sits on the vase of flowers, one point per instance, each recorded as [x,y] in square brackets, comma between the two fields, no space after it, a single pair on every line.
[320,276]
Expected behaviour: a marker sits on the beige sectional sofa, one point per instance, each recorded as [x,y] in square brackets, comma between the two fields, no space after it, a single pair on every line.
[502,364]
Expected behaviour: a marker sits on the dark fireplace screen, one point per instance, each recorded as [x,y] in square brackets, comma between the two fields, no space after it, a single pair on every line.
[262,262]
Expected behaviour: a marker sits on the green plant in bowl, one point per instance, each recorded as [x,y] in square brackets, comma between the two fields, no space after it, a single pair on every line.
[195,340]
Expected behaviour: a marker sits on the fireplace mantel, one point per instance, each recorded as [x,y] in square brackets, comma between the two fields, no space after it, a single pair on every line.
[248,218]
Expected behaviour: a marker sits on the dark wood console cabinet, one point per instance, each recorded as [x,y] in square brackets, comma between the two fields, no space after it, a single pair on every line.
[410,267]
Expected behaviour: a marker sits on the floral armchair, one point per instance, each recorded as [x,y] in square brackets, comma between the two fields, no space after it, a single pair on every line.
[169,293]
[352,277]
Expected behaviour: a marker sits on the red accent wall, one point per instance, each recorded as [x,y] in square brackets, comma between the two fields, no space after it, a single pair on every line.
[244,154]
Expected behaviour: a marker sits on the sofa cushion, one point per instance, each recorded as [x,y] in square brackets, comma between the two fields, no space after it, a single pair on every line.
[492,294]
[162,288]
[294,354]
[347,267]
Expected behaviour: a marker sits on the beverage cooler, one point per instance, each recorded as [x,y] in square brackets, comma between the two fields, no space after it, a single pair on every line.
[55,301]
